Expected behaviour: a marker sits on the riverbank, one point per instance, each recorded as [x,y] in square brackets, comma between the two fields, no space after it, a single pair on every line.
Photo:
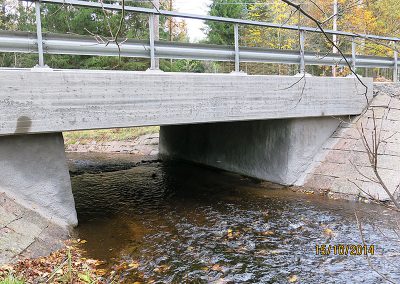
[65,265]
[138,141]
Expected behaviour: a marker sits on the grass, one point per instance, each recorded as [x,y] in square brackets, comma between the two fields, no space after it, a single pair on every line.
[11,279]
[107,135]
[64,266]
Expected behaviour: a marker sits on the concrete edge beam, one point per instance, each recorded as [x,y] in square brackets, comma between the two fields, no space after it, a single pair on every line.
[57,101]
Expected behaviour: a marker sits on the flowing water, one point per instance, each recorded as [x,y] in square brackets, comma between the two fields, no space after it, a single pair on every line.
[175,222]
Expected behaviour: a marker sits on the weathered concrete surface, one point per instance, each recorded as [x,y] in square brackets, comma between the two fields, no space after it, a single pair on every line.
[343,166]
[34,171]
[57,101]
[274,150]
[24,233]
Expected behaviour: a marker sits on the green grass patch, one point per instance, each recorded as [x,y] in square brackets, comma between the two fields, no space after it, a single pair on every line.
[11,279]
[107,135]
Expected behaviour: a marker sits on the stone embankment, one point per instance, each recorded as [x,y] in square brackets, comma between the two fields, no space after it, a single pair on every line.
[24,233]
[343,167]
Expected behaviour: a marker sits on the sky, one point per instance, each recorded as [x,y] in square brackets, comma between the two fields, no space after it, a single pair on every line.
[199,7]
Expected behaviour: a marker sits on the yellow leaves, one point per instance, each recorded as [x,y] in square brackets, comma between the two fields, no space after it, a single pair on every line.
[162,268]
[268,233]
[216,267]
[75,242]
[134,264]
[60,266]
[85,278]
[293,278]
[275,251]
[328,232]
[100,272]
[230,233]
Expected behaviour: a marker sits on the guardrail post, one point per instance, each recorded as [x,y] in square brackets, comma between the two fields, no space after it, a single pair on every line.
[396,68]
[353,54]
[39,34]
[152,49]
[302,61]
[237,59]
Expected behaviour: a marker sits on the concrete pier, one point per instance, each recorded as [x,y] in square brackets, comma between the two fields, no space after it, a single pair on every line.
[273,150]
[34,172]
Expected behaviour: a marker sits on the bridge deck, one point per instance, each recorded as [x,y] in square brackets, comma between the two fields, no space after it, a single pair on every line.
[55,101]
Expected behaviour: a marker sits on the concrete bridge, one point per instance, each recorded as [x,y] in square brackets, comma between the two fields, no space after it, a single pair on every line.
[268,127]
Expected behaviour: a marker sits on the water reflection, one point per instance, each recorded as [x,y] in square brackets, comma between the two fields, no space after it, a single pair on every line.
[180,223]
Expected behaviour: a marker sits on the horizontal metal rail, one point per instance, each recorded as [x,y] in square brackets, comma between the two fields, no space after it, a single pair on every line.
[84,45]
[81,45]
[211,18]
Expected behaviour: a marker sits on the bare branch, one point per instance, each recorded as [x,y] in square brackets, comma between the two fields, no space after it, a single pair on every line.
[367,256]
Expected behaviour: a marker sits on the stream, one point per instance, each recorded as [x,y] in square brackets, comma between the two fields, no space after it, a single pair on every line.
[176,222]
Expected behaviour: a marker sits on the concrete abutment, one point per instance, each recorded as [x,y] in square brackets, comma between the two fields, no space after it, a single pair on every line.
[34,172]
[275,150]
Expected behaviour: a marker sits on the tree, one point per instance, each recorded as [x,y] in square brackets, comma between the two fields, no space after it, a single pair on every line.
[276,12]
[222,33]
[5,17]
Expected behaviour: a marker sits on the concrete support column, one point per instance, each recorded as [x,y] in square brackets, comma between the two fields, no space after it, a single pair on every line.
[34,171]
[275,150]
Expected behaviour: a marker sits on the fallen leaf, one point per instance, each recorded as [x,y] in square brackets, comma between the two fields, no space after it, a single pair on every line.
[162,268]
[230,233]
[268,233]
[60,271]
[84,277]
[293,278]
[134,264]
[216,267]
[328,232]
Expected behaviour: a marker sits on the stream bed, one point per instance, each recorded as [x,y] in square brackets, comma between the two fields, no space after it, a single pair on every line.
[176,222]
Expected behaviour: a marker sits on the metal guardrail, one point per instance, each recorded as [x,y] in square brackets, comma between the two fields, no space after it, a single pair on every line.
[81,45]
[84,45]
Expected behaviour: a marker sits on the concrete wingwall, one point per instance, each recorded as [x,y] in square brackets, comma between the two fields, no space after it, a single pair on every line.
[274,150]
[34,172]
[342,166]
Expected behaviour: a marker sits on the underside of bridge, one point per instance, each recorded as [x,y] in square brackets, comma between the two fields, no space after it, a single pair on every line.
[268,127]
[275,150]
